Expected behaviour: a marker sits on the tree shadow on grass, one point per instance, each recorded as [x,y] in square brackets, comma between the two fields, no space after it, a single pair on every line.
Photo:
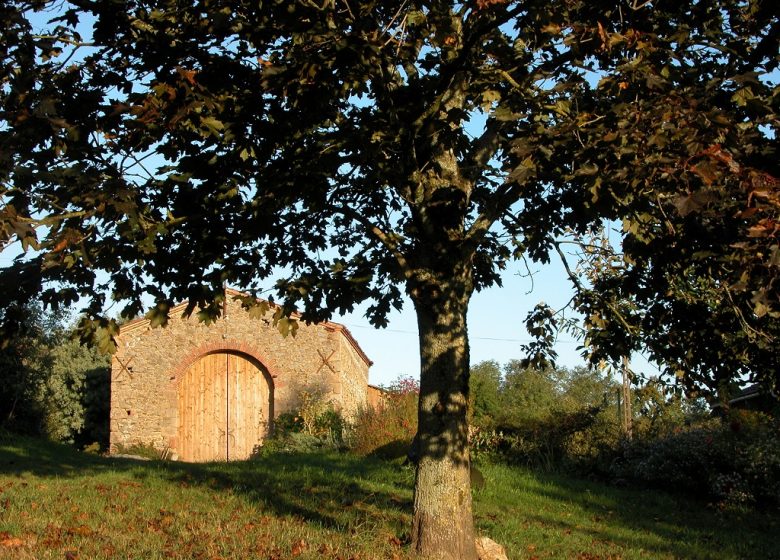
[348,493]
[337,491]
[334,490]
[622,519]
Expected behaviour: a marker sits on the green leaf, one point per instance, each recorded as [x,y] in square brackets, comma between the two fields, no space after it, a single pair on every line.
[415,18]
[742,96]
[214,125]
[158,315]
[287,326]
[258,309]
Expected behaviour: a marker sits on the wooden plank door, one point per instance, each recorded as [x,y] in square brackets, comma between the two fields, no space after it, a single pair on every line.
[248,407]
[224,406]
[203,425]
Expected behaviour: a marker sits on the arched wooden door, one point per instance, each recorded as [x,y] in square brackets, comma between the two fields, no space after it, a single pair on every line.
[225,405]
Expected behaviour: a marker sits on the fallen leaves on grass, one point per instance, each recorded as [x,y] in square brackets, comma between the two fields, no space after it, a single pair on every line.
[299,547]
[592,556]
[395,541]
[11,542]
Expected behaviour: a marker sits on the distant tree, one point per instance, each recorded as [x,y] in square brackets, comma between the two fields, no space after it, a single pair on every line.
[528,394]
[485,393]
[74,394]
[585,387]
[24,362]
[660,411]
[531,394]
[362,150]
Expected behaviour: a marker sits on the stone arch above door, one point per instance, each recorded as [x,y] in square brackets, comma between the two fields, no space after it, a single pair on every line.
[225,407]
[230,345]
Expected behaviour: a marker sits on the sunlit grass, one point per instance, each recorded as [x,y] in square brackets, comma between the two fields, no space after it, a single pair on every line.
[58,503]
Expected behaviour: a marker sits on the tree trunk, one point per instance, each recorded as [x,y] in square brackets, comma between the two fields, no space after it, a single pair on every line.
[443,526]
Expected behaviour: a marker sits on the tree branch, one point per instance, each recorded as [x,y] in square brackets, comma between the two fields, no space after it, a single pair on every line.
[580,288]
[378,234]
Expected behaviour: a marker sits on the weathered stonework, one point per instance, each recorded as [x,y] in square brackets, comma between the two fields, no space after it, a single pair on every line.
[150,363]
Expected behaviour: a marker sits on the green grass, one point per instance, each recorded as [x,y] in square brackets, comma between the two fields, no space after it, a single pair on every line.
[552,516]
[58,503]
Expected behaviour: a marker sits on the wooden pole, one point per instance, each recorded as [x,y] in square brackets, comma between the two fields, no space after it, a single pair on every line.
[627,419]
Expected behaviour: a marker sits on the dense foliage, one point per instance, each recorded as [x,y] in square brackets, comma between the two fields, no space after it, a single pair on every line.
[568,420]
[386,431]
[53,386]
[677,139]
[733,464]
[549,417]
[315,424]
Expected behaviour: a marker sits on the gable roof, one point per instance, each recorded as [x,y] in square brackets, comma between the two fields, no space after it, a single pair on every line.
[180,307]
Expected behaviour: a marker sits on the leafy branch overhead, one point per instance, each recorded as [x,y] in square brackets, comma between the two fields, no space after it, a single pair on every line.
[360,150]
[328,140]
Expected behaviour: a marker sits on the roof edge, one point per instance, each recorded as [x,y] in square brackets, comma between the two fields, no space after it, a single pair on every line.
[135,324]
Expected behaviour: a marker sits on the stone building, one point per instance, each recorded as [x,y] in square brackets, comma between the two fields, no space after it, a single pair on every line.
[211,392]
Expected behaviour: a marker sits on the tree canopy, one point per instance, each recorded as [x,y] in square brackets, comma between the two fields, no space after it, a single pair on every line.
[364,149]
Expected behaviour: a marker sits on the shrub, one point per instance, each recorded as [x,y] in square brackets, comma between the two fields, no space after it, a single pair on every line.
[51,385]
[566,439]
[24,363]
[315,425]
[75,394]
[734,463]
[388,430]
[330,424]
[293,442]
[288,422]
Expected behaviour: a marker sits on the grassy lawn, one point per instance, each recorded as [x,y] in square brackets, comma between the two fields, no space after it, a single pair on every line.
[550,516]
[58,503]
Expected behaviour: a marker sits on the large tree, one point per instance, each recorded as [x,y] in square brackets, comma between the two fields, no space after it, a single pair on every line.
[359,150]
[697,285]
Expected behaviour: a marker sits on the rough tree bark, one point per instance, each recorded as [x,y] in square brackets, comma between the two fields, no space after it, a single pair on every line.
[443,525]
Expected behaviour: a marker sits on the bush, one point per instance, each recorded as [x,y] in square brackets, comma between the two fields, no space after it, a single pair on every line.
[565,440]
[24,363]
[734,464]
[75,394]
[388,430]
[52,386]
[287,423]
[316,425]
[293,442]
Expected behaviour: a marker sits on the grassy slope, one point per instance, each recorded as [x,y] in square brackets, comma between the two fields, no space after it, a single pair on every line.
[57,503]
[549,516]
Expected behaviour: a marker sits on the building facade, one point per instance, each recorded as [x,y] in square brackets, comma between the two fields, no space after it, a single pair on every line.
[211,392]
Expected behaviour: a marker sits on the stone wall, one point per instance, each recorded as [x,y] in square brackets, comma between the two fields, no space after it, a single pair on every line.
[150,361]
